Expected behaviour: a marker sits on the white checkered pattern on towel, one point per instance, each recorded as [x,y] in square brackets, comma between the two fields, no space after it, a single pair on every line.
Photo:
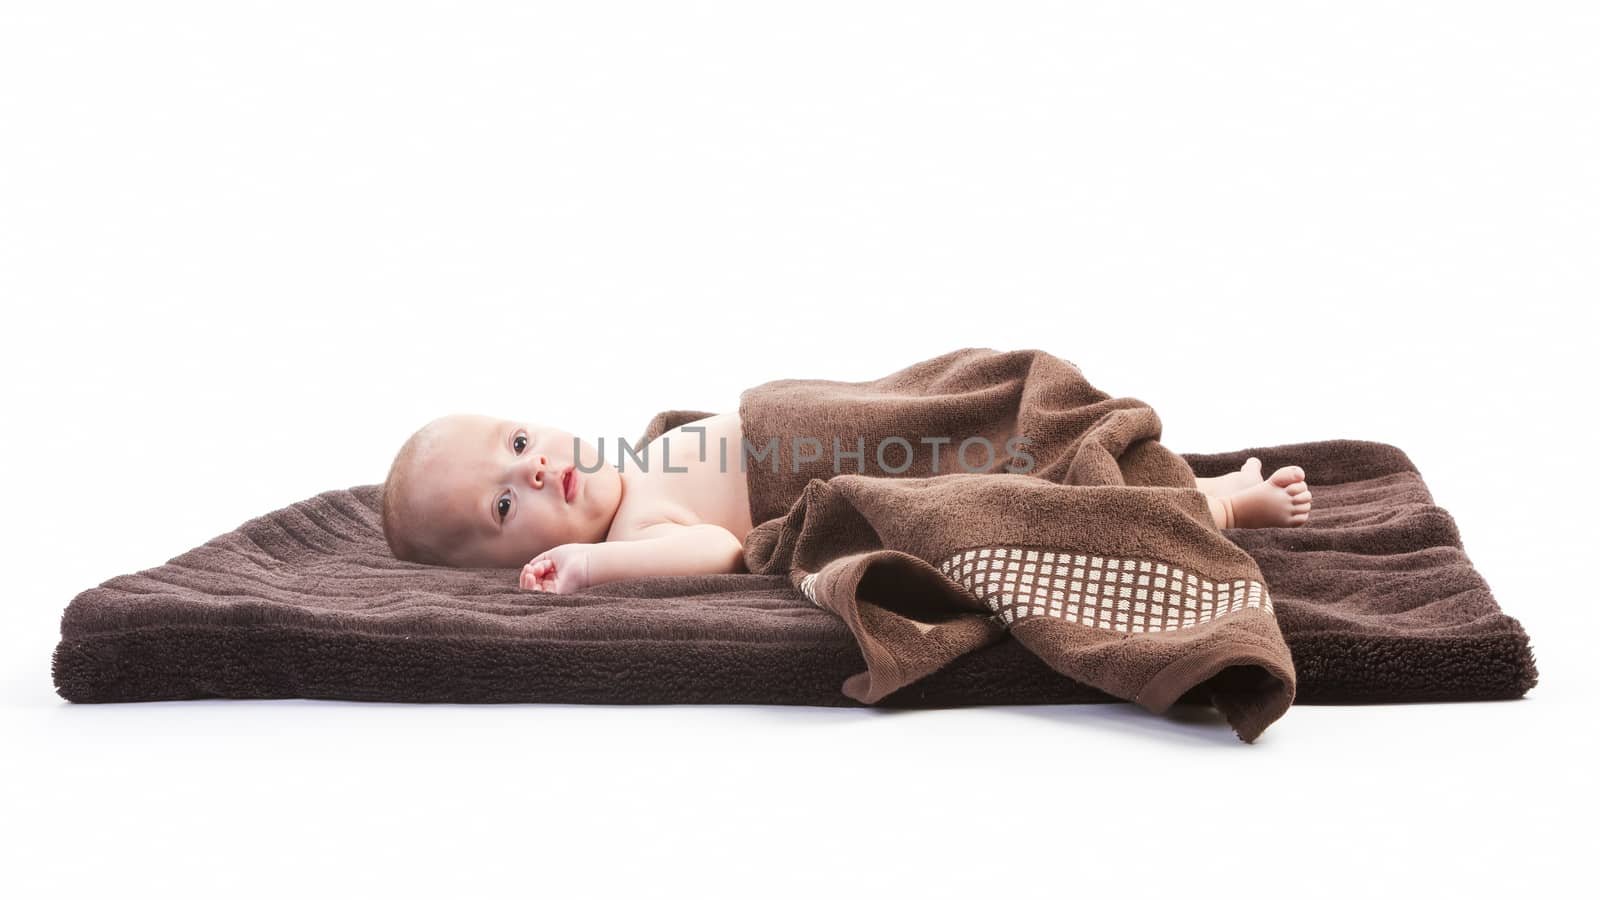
[1117,594]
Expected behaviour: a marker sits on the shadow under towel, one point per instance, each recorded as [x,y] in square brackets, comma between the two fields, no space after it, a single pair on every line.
[1080,533]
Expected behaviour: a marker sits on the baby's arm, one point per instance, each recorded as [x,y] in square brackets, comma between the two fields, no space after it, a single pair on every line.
[664,549]
[668,549]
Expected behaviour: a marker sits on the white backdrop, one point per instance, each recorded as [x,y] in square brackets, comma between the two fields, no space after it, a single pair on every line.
[247,247]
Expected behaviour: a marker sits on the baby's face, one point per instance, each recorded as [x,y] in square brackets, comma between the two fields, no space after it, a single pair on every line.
[509,491]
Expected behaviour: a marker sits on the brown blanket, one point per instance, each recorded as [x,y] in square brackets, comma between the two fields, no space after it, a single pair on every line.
[1375,597]
[940,506]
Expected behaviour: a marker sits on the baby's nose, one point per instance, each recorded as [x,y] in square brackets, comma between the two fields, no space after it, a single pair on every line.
[536,467]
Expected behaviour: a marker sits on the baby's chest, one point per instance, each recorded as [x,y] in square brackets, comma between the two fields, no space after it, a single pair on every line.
[688,480]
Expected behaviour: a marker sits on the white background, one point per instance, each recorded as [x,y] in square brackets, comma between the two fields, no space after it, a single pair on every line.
[246,248]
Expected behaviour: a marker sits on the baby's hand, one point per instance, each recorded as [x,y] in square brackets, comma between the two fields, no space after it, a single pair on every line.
[559,570]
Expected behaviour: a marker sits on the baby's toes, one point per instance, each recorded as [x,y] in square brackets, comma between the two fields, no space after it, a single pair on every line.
[1288,475]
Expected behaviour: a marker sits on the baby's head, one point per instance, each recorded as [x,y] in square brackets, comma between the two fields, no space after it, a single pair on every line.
[476,491]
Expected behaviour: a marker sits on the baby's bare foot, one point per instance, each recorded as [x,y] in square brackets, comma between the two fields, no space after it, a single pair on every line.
[1232,483]
[1282,501]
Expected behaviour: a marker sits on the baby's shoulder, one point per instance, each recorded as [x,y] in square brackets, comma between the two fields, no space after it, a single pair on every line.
[689,475]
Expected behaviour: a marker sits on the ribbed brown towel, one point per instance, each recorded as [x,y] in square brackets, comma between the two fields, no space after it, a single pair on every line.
[1375,598]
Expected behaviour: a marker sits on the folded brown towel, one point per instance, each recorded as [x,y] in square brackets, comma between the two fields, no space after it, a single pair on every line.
[1375,598]
[1060,517]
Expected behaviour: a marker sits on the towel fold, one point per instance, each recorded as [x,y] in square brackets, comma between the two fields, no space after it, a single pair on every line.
[981,492]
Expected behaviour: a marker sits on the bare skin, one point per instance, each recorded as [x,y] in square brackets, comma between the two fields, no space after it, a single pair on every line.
[1244,499]
[685,510]
[515,492]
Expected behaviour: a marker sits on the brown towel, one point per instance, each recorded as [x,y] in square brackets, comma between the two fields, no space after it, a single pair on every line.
[1003,491]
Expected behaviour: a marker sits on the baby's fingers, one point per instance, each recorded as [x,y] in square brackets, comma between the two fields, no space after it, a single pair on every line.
[538,575]
[532,574]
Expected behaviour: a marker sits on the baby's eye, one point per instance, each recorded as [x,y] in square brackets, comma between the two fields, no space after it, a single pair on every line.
[520,443]
[503,506]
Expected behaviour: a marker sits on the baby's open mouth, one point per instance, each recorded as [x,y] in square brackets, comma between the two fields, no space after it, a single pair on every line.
[569,484]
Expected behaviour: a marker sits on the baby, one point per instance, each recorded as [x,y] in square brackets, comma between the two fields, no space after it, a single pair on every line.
[475,491]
